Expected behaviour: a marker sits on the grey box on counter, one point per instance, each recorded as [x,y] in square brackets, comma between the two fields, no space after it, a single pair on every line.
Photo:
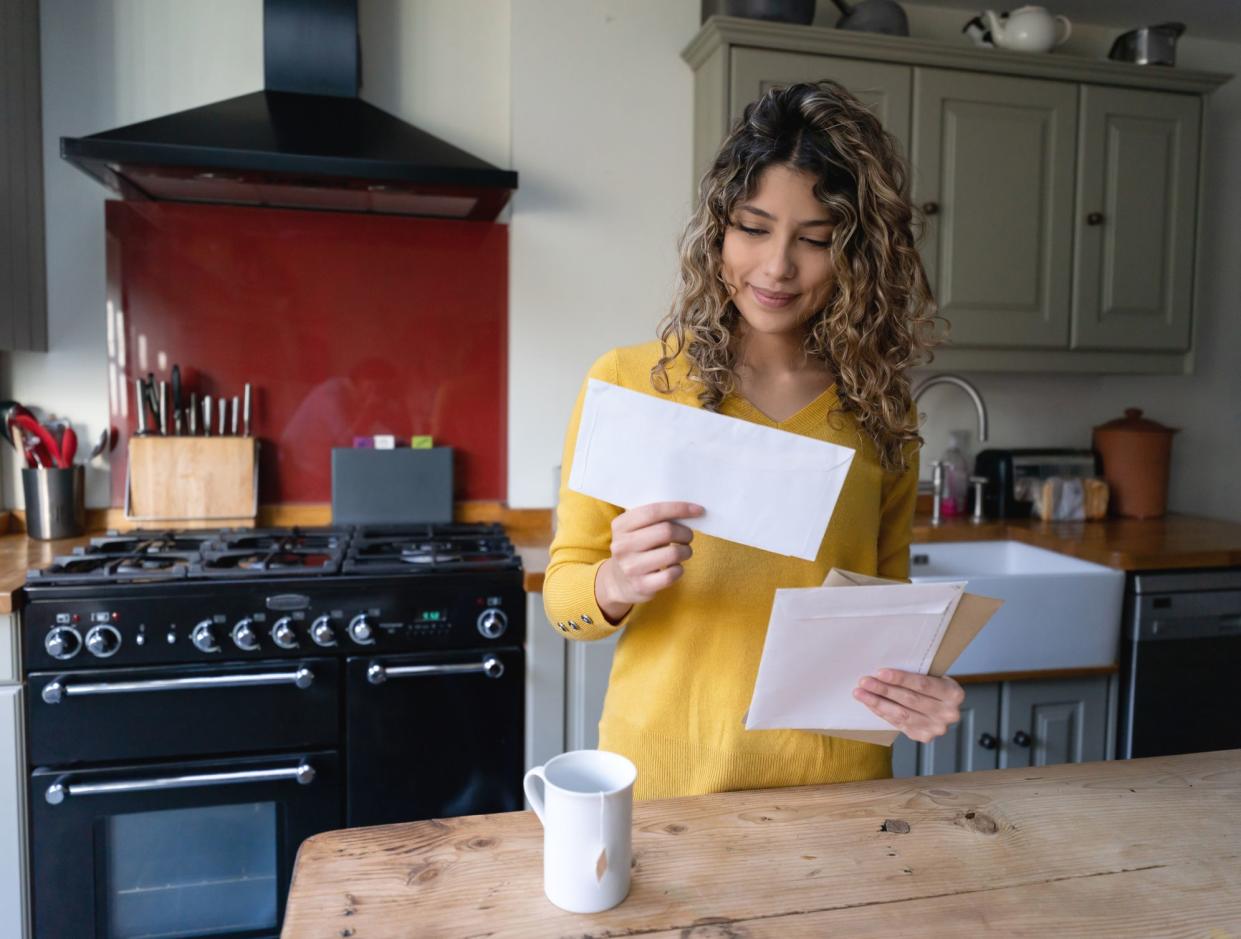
[391,487]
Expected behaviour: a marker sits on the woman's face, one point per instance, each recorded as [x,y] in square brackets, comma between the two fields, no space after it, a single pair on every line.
[776,257]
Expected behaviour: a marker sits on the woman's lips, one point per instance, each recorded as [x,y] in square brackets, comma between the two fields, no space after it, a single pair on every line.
[773,301]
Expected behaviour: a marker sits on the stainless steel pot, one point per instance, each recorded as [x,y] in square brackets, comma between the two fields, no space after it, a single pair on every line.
[1150,45]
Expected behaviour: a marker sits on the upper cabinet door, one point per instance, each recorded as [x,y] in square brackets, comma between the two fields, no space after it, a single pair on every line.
[1136,183]
[881,87]
[993,168]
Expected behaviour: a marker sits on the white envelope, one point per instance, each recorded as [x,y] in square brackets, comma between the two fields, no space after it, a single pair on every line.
[821,640]
[763,487]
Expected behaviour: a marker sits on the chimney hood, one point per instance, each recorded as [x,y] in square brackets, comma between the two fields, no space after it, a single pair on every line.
[305,141]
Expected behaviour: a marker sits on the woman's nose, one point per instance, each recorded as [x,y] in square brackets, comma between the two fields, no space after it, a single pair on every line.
[778,263]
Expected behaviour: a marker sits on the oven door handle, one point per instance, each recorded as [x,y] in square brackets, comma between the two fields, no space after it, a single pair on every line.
[303,774]
[58,690]
[490,666]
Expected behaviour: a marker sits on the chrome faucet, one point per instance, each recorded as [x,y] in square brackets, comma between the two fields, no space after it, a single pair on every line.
[937,470]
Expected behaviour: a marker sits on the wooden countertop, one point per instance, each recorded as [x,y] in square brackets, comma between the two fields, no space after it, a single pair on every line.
[1175,541]
[1128,848]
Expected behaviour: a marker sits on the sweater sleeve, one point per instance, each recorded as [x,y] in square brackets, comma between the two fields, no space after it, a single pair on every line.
[583,539]
[900,494]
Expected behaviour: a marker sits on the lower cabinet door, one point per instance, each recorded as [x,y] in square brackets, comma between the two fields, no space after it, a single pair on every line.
[971,743]
[1047,722]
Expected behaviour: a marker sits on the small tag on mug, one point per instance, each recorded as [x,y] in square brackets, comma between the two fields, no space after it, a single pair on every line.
[601,865]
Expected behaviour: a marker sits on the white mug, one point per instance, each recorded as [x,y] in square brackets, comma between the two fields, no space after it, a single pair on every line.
[587,816]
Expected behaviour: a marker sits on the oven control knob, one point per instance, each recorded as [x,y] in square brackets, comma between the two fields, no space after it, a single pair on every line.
[283,634]
[63,642]
[203,637]
[492,623]
[103,641]
[360,630]
[322,633]
[244,636]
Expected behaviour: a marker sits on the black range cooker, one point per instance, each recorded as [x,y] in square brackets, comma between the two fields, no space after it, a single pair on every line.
[200,702]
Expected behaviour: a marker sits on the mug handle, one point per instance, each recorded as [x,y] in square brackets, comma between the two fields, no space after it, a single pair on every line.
[1068,28]
[536,800]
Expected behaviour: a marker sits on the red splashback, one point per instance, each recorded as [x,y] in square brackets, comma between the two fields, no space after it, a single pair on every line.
[344,325]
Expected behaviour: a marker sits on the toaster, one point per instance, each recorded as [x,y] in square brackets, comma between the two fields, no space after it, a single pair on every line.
[1003,469]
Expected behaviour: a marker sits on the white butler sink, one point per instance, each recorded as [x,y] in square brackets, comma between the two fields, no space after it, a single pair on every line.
[1058,612]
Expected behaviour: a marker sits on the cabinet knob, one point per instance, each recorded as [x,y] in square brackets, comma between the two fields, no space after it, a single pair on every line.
[987,742]
[1094,218]
[930,208]
[1021,738]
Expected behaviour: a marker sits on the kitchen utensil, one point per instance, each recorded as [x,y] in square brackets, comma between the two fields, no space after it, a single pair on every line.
[55,502]
[873,16]
[99,447]
[46,451]
[1136,453]
[164,406]
[176,397]
[1027,29]
[223,428]
[587,813]
[68,447]
[245,415]
[1149,45]
[208,414]
[780,11]
[140,401]
[193,414]
[235,421]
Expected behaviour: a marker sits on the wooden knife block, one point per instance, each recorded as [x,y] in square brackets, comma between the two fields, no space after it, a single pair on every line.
[193,482]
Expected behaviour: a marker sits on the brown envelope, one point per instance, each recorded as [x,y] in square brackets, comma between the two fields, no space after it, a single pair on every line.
[972,613]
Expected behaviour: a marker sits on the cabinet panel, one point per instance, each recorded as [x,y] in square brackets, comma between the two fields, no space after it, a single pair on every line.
[12,814]
[1065,722]
[994,155]
[1137,190]
[589,666]
[962,749]
[883,88]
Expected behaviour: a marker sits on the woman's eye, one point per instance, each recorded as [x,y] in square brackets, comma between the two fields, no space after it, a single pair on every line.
[817,244]
[752,231]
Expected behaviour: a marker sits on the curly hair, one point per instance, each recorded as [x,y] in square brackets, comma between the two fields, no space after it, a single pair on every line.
[878,320]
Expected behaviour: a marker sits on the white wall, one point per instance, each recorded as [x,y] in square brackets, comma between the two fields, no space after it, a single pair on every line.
[590,102]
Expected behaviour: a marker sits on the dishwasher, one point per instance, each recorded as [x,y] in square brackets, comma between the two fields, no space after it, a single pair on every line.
[1180,654]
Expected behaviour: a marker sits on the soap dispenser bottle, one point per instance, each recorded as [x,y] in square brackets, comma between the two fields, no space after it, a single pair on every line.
[956,475]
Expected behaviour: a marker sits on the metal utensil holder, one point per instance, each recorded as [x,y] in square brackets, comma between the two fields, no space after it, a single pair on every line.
[55,501]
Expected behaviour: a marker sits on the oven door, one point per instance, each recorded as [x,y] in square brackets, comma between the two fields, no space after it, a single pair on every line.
[182,849]
[110,715]
[434,735]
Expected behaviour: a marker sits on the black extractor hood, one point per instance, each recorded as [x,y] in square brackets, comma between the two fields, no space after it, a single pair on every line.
[306,141]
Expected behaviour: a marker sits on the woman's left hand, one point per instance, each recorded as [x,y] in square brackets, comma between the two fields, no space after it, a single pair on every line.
[920,706]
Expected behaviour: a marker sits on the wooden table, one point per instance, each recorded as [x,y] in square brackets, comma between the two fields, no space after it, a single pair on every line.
[1127,848]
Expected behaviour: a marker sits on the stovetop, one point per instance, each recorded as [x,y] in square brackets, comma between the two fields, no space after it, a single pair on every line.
[139,557]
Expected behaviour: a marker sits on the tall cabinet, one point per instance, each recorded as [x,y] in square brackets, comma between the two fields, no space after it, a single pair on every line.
[13,892]
[1059,197]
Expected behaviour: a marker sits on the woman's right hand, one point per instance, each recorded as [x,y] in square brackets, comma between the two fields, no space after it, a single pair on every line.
[648,548]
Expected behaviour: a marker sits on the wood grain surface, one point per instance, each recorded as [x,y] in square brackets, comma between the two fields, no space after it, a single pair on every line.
[1131,848]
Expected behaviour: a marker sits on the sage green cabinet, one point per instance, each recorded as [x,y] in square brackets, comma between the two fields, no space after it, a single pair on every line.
[1137,175]
[1033,722]
[883,88]
[993,170]
[1060,194]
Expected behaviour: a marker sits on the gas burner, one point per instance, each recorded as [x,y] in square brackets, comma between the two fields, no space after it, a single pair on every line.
[295,562]
[280,539]
[136,568]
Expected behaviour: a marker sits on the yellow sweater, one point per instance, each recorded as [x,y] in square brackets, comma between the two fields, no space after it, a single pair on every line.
[684,668]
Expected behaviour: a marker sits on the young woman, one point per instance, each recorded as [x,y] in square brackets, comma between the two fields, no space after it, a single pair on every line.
[801,304]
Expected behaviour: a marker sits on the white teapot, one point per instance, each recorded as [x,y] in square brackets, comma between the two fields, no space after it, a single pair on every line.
[1028,29]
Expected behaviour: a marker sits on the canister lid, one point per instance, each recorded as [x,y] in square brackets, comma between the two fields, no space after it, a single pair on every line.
[1134,421]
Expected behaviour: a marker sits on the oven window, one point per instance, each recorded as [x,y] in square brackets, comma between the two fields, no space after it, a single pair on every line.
[189,872]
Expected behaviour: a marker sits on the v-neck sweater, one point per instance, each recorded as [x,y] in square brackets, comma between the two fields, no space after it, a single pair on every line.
[685,662]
